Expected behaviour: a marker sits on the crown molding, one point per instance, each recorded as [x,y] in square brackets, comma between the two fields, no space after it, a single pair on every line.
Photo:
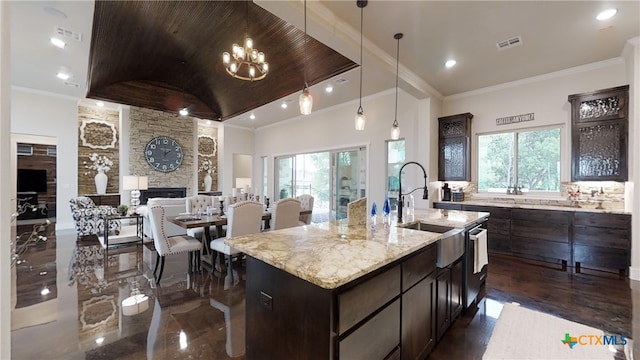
[44,93]
[538,78]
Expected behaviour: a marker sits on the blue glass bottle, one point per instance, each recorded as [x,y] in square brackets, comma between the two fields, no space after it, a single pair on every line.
[386,210]
[374,214]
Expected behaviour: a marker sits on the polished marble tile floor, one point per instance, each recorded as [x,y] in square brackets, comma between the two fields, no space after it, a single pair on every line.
[68,297]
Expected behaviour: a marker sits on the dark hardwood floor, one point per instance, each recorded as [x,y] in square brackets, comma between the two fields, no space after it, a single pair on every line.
[79,315]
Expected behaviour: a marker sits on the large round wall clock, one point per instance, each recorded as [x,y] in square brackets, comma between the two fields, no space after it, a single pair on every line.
[163,154]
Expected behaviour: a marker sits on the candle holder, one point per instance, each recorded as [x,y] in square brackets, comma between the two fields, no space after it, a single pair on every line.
[266,201]
[221,207]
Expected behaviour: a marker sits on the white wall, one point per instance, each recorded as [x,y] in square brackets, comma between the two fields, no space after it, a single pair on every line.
[545,96]
[632,59]
[232,140]
[54,116]
[333,128]
[7,184]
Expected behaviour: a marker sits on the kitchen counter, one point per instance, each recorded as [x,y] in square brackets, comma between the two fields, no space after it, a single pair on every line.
[332,254]
[510,203]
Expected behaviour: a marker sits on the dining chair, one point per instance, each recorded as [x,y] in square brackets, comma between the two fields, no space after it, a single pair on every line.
[306,204]
[285,213]
[199,204]
[170,245]
[243,218]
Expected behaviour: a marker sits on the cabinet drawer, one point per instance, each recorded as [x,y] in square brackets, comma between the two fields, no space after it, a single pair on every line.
[376,338]
[540,230]
[603,220]
[360,301]
[604,237]
[601,257]
[417,267]
[540,248]
[498,242]
[544,216]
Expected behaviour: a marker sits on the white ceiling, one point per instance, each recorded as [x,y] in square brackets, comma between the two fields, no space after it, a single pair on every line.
[556,35]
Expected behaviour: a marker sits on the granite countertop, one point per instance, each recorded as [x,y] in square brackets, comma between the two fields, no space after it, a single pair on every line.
[332,254]
[514,205]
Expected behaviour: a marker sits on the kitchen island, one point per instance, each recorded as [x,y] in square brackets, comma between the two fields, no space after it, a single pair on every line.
[331,290]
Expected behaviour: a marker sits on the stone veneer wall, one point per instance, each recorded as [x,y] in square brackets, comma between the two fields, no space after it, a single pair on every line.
[208,149]
[147,124]
[99,135]
[611,197]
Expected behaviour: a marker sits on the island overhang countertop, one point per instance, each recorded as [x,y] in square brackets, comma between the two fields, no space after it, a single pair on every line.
[332,254]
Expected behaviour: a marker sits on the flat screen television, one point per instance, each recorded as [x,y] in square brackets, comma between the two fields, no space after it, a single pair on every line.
[32,180]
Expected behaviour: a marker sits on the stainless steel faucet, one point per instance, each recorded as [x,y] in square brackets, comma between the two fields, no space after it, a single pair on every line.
[425,193]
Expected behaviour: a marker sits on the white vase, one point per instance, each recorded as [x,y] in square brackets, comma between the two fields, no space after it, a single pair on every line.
[207,182]
[101,183]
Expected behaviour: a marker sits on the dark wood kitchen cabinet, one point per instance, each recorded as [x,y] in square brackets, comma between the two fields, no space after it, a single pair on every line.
[454,144]
[602,241]
[449,296]
[541,235]
[599,135]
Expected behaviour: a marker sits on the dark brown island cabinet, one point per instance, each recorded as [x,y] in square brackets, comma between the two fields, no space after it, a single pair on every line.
[581,239]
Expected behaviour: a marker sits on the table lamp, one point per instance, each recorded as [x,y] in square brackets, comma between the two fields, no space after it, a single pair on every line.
[135,184]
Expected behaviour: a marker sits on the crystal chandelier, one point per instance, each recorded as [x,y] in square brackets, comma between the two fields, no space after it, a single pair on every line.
[245,62]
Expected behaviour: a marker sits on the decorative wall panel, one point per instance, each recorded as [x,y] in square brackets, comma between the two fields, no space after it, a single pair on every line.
[99,127]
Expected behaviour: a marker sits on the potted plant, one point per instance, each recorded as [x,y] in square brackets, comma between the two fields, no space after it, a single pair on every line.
[122,209]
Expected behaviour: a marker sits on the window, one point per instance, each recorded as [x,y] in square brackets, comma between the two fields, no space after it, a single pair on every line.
[395,158]
[526,158]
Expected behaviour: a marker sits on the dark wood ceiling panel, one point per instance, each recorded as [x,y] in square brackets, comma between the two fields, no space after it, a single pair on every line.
[154,54]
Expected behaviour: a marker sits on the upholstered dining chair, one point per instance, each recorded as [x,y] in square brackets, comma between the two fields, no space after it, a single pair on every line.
[170,245]
[198,204]
[285,213]
[306,204]
[243,218]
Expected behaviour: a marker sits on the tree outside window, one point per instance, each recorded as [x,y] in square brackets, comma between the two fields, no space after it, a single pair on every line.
[526,158]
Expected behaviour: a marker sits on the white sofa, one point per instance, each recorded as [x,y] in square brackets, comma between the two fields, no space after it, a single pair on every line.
[172,207]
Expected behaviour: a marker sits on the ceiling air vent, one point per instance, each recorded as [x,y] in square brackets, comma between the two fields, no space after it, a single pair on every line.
[71,83]
[341,81]
[509,43]
[68,33]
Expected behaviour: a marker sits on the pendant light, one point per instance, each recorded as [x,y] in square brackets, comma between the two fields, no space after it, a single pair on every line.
[395,129]
[306,101]
[361,120]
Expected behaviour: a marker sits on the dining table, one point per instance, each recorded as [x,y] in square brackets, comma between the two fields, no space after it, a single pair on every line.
[192,221]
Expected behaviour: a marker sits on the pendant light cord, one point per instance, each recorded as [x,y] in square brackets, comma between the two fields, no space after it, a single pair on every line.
[361,26]
[395,121]
[305,45]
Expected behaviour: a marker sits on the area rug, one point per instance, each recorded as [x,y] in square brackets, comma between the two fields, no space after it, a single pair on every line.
[526,334]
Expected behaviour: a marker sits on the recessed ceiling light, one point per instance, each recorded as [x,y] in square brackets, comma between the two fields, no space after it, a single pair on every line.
[45,291]
[450,63]
[284,105]
[100,103]
[208,122]
[184,112]
[329,89]
[63,76]
[607,14]
[58,43]
[252,117]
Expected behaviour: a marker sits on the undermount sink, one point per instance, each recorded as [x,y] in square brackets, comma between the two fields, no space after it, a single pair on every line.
[450,247]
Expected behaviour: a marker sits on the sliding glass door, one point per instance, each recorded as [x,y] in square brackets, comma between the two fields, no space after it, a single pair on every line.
[333,178]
